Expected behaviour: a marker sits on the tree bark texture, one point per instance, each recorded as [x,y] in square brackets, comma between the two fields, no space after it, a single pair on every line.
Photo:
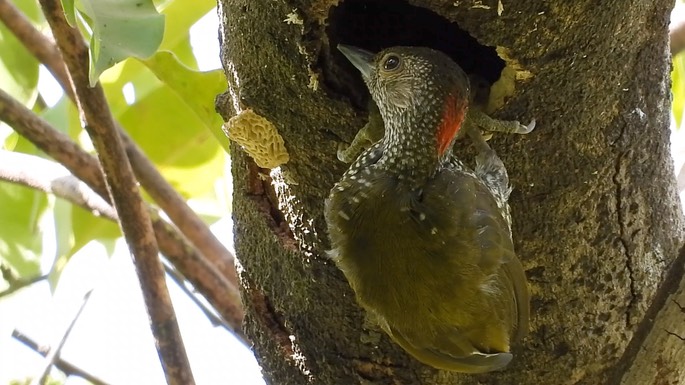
[597,222]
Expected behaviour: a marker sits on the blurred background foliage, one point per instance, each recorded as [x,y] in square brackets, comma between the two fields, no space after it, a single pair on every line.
[156,92]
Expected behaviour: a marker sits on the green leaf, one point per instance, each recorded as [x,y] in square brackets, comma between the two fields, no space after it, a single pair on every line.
[20,235]
[25,146]
[678,88]
[181,15]
[184,53]
[11,141]
[18,68]
[129,71]
[175,139]
[64,240]
[121,29]
[196,89]
[64,117]
[69,12]
[140,77]
[75,228]
[87,227]
[17,143]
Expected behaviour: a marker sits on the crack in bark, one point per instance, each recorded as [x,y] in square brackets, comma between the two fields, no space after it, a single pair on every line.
[681,307]
[675,335]
[622,232]
[266,314]
[262,193]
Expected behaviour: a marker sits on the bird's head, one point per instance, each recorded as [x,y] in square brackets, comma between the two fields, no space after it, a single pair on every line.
[415,87]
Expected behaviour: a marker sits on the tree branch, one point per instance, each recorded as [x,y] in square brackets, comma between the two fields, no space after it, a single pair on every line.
[65,366]
[677,35]
[206,278]
[182,283]
[676,32]
[52,178]
[152,181]
[53,354]
[122,185]
[15,283]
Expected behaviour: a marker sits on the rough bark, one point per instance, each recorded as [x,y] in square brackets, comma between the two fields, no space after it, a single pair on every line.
[597,219]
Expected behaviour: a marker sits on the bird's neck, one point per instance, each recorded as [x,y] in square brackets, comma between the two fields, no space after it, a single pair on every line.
[411,147]
[419,138]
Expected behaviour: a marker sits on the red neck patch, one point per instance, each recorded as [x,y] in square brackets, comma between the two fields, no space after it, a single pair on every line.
[452,119]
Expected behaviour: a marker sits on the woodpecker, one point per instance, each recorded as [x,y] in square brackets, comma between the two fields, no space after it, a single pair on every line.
[423,240]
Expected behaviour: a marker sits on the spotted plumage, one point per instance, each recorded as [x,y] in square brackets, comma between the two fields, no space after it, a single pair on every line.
[424,241]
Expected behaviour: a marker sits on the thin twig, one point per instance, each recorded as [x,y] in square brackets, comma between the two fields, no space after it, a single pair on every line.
[52,178]
[22,283]
[204,276]
[65,366]
[676,31]
[133,215]
[152,181]
[52,356]
[182,283]
[677,35]
[15,283]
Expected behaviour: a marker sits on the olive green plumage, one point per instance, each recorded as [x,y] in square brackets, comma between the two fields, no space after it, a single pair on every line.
[425,242]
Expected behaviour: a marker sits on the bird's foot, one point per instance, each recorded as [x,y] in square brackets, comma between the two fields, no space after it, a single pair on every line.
[482,120]
[364,139]
[346,153]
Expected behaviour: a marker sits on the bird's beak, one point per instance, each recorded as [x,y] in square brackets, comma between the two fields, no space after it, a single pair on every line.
[362,59]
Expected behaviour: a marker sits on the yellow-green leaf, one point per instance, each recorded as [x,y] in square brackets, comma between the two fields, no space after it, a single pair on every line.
[181,15]
[75,227]
[18,68]
[20,236]
[175,139]
[69,12]
[121,29]
[196,89]
[64,117]
[88,227]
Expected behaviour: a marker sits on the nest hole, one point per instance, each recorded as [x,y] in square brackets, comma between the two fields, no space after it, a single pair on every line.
[377,24]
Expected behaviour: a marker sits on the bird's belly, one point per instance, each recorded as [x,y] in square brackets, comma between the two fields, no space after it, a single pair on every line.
[398,278]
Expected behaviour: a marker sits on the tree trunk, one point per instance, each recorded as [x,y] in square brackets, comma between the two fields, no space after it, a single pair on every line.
[597,221]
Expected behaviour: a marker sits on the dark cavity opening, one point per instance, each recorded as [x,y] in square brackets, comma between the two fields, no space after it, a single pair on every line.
[378,24]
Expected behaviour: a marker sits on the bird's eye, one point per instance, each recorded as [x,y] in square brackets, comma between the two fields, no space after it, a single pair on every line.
[391,63]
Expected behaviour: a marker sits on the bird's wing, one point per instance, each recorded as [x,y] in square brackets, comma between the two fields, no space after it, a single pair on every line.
[453,352]
[498,253]
[481,230]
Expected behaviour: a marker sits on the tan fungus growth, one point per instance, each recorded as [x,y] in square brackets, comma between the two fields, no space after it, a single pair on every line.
[258,137]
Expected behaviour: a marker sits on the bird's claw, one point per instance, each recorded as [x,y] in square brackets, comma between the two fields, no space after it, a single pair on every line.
[527,129]
[487,135]
[343,153]
[519,128]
